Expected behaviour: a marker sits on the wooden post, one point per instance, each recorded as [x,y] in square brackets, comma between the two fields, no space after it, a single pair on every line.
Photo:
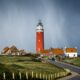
[40,75]
[32,74]
[43,76]
[36,75]
[27,75]
[13,77]
[20,75]
[4,76]
[57,75]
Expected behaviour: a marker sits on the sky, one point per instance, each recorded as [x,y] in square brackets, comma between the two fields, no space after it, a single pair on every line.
[19,19]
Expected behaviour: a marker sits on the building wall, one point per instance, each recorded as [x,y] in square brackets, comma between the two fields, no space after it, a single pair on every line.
[71,54]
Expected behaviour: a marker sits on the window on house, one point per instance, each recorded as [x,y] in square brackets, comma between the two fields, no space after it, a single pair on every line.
[74,55]
[68,55]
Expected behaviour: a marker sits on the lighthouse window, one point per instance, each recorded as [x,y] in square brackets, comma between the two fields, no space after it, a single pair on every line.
[39,40]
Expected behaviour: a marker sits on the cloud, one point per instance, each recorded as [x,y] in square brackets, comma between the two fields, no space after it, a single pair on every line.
[18,20]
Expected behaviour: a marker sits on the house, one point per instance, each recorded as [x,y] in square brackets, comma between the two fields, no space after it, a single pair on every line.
[71,52]
[12,51]
[44,52]
[52,52]
[5,49]
[57,51]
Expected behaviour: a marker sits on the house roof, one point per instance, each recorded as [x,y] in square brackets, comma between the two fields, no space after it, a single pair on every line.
[57,51]
[5,49]
[71,50]
[46,51]
[13,48]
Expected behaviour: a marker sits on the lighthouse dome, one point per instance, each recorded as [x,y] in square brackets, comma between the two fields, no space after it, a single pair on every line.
[39,26]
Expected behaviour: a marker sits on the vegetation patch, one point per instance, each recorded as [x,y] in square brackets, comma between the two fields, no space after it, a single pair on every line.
[73,61]
[23,64]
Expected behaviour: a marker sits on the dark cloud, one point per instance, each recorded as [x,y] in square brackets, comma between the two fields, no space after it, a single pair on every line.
[18,20]
[68,5]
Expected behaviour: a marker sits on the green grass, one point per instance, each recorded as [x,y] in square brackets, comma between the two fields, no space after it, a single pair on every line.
[74,61]
[25,64]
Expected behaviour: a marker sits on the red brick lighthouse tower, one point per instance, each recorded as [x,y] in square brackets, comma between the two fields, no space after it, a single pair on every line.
[39,37]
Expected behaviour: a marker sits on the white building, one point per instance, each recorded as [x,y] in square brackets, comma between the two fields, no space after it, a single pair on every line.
[71,52]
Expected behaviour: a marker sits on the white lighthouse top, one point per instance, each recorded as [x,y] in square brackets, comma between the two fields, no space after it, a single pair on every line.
[40,27]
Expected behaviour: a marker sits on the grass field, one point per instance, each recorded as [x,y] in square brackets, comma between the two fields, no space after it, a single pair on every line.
[23,64]
[73,61]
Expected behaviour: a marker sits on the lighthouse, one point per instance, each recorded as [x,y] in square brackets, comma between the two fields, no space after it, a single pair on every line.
[39,37]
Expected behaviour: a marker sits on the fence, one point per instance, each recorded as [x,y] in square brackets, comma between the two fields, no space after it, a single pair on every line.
[33,76]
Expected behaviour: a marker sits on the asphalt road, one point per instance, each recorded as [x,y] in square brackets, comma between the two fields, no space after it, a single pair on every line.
[68,66]
[75,78]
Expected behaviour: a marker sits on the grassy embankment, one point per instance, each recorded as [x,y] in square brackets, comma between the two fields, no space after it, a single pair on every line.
[73,61]
[23,64]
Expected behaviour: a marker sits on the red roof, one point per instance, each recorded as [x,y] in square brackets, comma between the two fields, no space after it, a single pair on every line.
[57,51]
[45,51]
[71,49]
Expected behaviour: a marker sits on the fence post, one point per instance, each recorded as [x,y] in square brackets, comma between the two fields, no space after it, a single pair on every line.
[27,75]
[4,76]
[57,75]
[36,75]
[32,74]
[40,75]
[13,77]
[43,76]
[20,75]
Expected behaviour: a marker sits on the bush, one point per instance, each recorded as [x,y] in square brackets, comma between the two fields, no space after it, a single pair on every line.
[36,60]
